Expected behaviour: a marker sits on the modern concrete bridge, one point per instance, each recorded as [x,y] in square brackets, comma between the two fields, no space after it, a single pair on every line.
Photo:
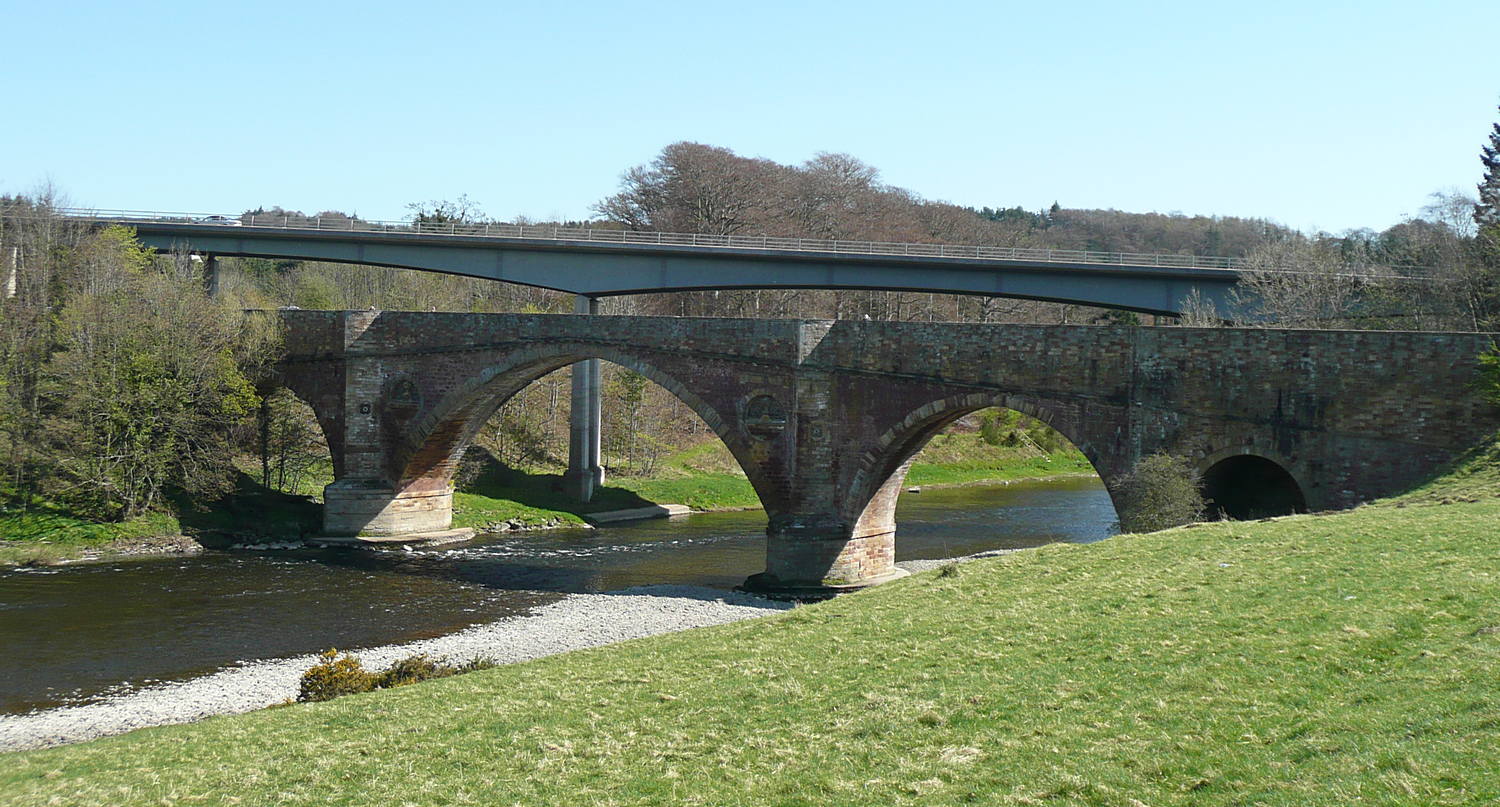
[600,262]
[825,417]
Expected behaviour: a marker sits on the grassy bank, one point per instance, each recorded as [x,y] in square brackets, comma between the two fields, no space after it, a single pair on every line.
[1334,659]
[959,458]
[39,531]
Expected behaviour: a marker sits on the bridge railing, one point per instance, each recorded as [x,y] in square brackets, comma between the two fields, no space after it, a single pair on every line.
[549,232]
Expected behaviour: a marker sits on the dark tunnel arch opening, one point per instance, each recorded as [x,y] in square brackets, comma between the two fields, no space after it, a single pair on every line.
[1249,487]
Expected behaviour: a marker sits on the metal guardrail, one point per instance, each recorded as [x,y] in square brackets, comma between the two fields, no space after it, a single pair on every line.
[611,236]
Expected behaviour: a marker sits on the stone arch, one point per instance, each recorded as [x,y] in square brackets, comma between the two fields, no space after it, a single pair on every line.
[432,443]
[870,502]
[326,406]
[1245,485]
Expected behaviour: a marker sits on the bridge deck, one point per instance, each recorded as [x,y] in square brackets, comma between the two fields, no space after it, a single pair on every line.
[598,262]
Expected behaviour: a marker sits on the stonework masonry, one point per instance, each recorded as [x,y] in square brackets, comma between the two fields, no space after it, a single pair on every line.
[825,417]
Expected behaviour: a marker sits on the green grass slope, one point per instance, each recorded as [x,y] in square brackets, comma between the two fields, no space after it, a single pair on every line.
[38,532]
[1351,658]
[1474,476]
[34,530]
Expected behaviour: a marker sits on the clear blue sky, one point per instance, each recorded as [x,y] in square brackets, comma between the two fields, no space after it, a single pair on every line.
[1316,114]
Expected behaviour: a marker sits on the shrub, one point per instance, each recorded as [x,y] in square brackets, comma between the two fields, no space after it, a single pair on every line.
[994,426]
[412,670]
[335,675]
[1161,491]
[476,664]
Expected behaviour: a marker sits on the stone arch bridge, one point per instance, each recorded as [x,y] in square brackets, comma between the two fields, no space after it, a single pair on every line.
[825,417]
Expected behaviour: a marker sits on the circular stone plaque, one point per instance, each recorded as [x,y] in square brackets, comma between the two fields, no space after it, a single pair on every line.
[765,417]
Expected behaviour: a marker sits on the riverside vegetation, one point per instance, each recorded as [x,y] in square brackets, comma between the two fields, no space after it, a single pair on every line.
[1306,660]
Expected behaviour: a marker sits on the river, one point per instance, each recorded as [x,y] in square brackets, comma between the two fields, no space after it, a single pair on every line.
[73,634]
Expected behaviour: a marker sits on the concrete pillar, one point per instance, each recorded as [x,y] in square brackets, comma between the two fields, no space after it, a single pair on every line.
[13,271]
[211,275]
[585,474]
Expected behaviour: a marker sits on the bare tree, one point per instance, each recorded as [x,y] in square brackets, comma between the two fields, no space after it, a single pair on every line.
[1300,283]
[830,195]
[1200,312]
[462,210]
[694,188]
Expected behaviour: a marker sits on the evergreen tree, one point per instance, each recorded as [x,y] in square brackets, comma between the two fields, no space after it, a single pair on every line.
[1487,211]
[1487,216]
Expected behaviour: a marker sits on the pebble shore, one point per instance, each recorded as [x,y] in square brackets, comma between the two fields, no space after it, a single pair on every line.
[577,622]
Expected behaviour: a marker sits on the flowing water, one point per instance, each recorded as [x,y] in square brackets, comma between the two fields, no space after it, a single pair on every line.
[71,634]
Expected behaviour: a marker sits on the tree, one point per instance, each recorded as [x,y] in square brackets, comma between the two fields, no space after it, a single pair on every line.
[1487,209]
[45,245]
[1199,312]
[462,210]
[626,435]
[139,403]
[1443,245]
[694,188]
[1299,283]
[830,195]
[1161,491]
[1487,217]
[291,442]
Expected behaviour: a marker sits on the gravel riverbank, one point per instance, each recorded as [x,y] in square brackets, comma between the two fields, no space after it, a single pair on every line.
[580,621]
[577,622]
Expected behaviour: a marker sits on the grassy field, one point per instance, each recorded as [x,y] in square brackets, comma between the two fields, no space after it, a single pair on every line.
[1350,658]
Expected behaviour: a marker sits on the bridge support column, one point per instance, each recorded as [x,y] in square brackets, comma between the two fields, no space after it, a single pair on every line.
[371,509]
[809,558]
[211,275]
[585,474]
[12,271]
